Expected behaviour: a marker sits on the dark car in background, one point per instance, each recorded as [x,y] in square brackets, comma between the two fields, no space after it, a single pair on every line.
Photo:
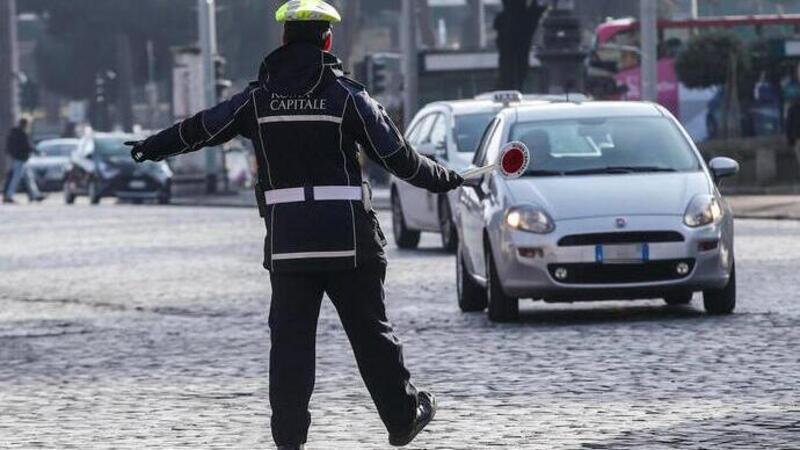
[101,166]
[49,164]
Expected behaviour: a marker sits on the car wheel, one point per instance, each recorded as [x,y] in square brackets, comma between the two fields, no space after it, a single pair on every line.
[403,237]
[94,193]
[69,196]
[502,308]
[679,299]
[722,301]
[471,295]
[447,226]
[165,197]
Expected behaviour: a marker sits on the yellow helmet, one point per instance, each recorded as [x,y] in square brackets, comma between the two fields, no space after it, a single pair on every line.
[307,10]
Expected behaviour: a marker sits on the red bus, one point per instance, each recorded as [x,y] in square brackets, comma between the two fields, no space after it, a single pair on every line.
[614,72]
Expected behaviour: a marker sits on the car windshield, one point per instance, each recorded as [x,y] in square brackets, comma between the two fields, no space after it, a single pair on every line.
[56,150]
[109,147]
[469,129]
[605,146]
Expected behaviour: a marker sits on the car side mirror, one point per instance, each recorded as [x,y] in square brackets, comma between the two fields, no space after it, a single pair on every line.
[723,167]
[440,150]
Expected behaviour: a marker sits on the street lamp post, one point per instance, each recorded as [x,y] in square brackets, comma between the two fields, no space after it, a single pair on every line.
[206,15]
[649,31]
[408,32]
[9,67]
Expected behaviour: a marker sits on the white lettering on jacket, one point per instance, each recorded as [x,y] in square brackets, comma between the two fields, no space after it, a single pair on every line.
[298,104]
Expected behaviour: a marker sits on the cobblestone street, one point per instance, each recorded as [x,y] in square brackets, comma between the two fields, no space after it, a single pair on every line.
[145,327]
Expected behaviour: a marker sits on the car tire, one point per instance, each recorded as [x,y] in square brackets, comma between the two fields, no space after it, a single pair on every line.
[471,295]
[502,308]
[165,197]
[403,237]
[447,226]
[679,299]
[69,196]
[721,301]
[94,195]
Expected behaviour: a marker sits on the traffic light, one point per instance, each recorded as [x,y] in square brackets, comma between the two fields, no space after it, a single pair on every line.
[28,93]
[221,84]
[378,79]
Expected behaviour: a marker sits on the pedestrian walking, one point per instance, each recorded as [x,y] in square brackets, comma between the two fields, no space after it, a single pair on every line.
[19,148]
[307,120]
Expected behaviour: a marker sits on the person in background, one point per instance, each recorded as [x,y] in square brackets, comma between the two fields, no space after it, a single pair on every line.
[19,148]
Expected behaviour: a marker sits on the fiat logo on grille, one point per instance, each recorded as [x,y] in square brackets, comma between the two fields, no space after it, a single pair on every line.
[621,222]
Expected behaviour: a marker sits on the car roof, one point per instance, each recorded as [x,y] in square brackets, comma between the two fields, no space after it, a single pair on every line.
[581,110]
[471,106]
[59,141]
[481,105]
[115,135]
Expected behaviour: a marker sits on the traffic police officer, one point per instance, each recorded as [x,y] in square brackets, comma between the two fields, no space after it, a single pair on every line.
[306,121]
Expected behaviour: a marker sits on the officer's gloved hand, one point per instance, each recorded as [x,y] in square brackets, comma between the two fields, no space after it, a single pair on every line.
[452,181]
[141,153]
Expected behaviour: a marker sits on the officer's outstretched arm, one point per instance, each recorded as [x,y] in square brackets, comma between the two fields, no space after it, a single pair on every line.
[374,130]
[208,128]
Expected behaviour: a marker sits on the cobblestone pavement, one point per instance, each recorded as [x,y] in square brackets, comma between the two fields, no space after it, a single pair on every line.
[145,327]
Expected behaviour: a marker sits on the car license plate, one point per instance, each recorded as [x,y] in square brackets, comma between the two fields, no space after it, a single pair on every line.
[137,184]
[622,254]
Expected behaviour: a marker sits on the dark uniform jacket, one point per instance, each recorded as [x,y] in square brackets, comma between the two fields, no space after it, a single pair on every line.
[18,146]
[305,119]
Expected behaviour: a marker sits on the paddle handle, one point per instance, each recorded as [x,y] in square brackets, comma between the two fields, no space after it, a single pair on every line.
[477,172]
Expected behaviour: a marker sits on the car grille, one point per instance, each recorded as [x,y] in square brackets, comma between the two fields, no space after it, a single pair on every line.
[598,273]
[628,237]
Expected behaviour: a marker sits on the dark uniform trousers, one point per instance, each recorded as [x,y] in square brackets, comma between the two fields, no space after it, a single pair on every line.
[358,297]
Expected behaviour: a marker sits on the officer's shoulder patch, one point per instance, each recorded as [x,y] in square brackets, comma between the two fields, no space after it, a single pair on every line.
[352,83]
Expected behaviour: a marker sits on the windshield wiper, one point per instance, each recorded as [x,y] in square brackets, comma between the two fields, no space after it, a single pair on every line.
[544,173]
[620,170]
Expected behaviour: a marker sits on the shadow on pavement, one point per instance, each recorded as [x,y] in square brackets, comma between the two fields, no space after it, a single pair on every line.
[607,314]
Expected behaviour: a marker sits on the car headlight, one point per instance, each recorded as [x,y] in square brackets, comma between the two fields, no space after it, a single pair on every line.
[529,218]
[702,210]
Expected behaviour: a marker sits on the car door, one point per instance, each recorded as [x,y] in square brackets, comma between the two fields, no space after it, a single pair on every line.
[436,149]
[472,200]
[413,199]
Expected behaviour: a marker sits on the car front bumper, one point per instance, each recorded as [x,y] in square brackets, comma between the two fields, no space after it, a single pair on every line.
[527,262]
[135,188]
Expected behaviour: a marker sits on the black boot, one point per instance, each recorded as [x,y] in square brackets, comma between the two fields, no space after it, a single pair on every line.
[291,447]
[426,409]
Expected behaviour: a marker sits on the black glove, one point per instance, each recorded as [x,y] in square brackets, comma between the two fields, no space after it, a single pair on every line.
[140,152]
[452,181]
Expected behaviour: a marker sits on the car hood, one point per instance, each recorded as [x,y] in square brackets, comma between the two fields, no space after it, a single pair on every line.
[574,197]
[48,161]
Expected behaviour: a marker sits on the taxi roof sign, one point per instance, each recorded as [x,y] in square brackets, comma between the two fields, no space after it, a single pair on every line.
[504,97]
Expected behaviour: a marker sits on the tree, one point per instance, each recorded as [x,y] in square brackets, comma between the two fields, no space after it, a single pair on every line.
[716,59]
[86,38]
[516,24]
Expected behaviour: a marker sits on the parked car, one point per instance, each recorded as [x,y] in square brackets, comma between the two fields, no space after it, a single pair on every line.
[101,166]
[617,204]
[49,163]
[447,132]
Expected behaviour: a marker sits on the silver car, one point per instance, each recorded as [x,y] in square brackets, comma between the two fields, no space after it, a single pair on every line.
[617,204]
[448,132]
